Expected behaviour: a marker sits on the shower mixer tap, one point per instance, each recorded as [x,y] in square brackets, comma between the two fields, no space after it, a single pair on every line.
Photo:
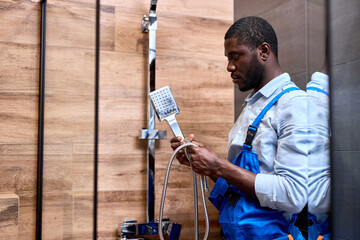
[133,230]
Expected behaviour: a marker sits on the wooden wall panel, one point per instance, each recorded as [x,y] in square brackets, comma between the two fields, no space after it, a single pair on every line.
[69,120]
[188,29]
[209,34]
[76,126]
[121,75]
[83,215]
[9,212]
[18,117]
[190,59]
[70,71]
[193,65]
[27,214]
[19,67]
[71,24]
[202,9]
[20,20]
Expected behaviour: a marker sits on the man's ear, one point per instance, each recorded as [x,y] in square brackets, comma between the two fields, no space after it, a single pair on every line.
[264,51]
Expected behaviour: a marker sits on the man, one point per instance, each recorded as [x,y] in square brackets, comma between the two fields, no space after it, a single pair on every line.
[319,156]
[264,184]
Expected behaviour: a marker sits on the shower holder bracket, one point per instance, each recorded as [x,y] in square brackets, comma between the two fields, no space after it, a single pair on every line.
[145,24]
[153,134]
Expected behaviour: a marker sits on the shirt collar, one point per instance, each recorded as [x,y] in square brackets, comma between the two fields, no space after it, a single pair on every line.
[269,88]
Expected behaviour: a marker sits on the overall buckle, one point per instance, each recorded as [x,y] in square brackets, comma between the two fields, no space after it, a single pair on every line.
[250,134]
[232,196]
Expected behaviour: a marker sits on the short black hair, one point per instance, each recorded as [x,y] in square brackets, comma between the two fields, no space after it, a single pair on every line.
[252,32]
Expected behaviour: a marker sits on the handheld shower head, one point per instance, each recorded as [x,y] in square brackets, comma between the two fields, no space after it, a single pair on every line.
[166,108]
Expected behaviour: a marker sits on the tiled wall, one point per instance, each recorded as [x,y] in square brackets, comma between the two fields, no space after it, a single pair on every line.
[300,28]
[291,22]
[345,117]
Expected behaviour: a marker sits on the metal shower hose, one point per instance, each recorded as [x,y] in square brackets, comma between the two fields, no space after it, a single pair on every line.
[165,187]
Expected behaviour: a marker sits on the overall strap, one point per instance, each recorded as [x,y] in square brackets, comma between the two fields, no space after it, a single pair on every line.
[254,126]
[318,90]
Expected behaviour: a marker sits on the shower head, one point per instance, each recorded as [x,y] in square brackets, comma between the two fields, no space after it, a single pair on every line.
[166,108]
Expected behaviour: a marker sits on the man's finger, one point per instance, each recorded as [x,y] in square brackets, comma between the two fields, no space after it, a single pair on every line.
[175,139]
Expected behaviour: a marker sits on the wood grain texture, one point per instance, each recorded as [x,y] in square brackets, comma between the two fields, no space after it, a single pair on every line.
[20,21]
[71,24]
[107,29]
[19,74]
[17,173]
[193,65]
[18,117]
[69,120]
[70,71]
[27,213]
[203,9]
[9,216]
[208,32]
[19,67]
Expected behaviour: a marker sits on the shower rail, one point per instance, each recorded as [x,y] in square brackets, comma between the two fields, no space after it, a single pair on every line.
[131,229]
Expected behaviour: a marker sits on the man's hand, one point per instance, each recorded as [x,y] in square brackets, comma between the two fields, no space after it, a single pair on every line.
[204,160]
[175,143]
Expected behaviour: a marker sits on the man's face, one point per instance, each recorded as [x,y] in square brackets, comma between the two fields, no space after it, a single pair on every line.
[246,70]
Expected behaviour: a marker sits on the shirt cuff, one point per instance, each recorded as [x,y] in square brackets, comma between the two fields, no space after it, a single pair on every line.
[265,189]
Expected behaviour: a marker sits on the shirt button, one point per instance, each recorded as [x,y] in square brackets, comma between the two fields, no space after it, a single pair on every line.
[249,107]
[239,132]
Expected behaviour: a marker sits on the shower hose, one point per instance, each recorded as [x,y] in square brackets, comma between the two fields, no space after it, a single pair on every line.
[202,186]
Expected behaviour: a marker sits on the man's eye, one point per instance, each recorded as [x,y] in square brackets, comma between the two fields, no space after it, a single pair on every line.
[235,57]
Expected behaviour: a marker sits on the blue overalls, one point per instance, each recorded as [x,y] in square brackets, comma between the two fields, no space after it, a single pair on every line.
[317,231]
[242,217]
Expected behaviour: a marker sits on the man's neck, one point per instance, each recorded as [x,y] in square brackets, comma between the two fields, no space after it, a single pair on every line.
[269,75]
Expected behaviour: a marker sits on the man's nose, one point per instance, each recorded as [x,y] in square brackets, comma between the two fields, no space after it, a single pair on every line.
[230,67]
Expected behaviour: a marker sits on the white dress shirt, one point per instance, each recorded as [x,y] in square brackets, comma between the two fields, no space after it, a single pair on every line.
[281,145]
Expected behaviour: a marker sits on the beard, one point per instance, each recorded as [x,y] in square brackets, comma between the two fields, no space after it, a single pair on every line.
[254,76]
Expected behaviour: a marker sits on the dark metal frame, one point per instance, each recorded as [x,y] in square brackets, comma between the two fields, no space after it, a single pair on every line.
[40,161]
[97,70]
[40,167]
